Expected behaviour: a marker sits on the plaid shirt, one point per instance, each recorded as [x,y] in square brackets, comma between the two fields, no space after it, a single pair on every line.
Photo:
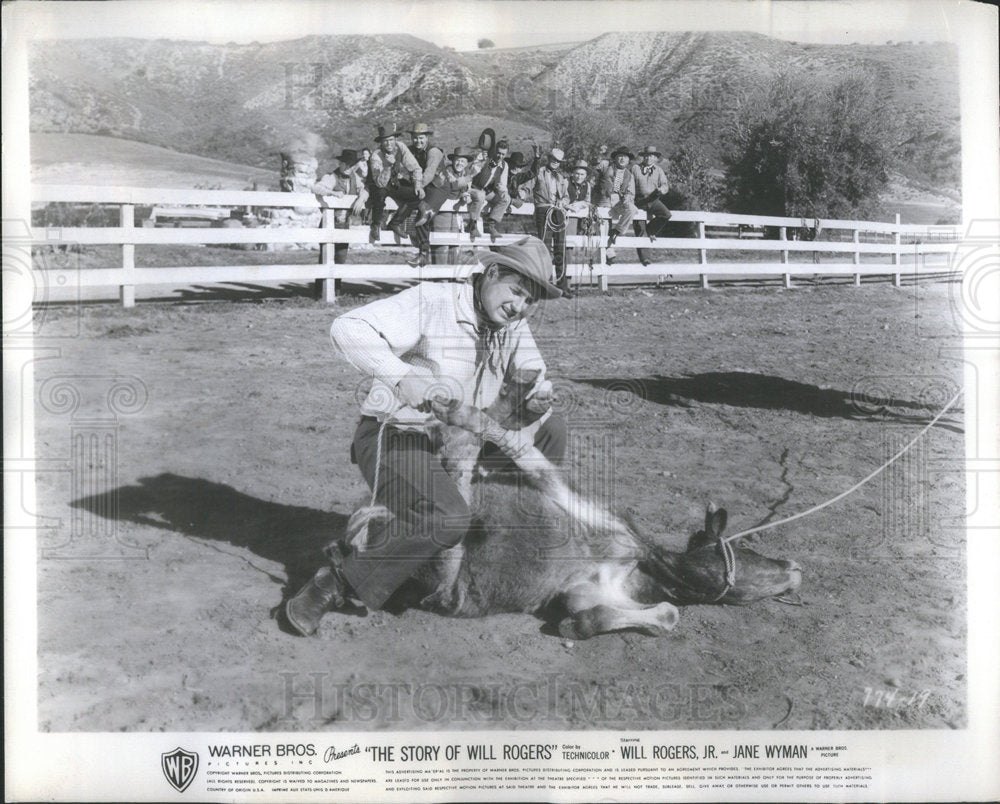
[431,327]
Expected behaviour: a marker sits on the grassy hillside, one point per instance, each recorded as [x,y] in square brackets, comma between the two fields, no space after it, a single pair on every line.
[92,159]
[241,103]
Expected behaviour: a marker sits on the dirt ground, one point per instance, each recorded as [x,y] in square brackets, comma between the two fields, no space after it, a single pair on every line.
[197,461]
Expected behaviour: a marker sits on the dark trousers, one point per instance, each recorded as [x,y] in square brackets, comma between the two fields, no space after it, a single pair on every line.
[434,198]
[658,215]
[554,224]
[431,514]
[403,194]
[342,220]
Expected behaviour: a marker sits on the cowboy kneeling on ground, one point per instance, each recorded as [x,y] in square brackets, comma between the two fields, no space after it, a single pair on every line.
[432,342]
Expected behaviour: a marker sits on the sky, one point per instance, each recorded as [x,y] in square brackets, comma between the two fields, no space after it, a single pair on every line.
[507,23]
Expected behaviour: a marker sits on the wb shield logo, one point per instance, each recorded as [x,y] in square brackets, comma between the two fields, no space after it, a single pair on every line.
[179,766]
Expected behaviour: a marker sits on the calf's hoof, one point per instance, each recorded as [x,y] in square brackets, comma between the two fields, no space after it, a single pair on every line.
[575,628]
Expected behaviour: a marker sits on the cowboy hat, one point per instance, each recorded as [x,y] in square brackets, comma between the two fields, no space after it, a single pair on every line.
[461,153]
[581,164]
[384,132]
[517,160]
[557,155]
[348,157]
[420,128]
[649,150]
[622,150]
[528,257]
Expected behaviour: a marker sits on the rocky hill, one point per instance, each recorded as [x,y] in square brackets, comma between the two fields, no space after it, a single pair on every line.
[242,102]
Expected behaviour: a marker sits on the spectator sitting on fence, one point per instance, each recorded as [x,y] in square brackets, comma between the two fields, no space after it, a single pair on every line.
[581,208]
[450,182]
[366,153]
[616,190]
[393,172]
[521,177]
[431,160]
[551,195]
[430,343]
[345,180]
[651,188]
[490,185]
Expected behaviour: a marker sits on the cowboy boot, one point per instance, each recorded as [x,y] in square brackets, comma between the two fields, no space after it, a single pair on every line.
[424,216]
[396,227]
[491,230]
[563,285]
[472,228]
[612,237]
[325,592]
[420,259]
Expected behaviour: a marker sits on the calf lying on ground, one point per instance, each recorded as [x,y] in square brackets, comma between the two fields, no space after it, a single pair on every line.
[538,546]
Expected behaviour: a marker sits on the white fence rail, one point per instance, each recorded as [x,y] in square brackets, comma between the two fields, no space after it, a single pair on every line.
[905,249]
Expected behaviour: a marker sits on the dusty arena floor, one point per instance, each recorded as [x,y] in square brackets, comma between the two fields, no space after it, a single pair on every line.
[197,461]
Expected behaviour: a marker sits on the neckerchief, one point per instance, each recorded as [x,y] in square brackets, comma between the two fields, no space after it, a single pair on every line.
[647,170]
[490,338]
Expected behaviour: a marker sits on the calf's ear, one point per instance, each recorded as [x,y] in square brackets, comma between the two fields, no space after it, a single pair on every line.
[715,524]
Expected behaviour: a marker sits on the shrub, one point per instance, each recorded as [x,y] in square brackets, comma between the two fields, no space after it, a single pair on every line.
[810,149]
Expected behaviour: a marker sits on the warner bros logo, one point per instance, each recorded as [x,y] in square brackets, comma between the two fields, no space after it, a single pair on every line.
[179,766]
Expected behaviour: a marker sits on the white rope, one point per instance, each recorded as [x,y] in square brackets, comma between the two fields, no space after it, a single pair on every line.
[551,226]
[378,461]
[853,488]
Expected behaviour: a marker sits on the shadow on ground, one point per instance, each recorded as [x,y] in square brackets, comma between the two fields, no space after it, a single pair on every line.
[749,390]
[291,535]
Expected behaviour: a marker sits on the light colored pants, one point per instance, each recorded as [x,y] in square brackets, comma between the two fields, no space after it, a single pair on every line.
[499,201]
[621,215]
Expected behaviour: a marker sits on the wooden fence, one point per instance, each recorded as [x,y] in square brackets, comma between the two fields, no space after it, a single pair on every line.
[897,249]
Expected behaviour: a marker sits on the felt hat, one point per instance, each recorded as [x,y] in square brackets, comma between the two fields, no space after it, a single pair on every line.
[649,150]
[557,155]
[581,163]
[460,152]
[348,157]
[517,160]
[529,257]
[622,150]
[384,132]
[420,128]
[487,138]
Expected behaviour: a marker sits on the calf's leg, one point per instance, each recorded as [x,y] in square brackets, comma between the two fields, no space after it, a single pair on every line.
[600,607]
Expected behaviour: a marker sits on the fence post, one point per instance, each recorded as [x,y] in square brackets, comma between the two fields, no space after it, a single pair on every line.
[127,290]
[783,235]
[602,260]
[704,253]
[896,280]
[602,277]
[857,258]
[327,287]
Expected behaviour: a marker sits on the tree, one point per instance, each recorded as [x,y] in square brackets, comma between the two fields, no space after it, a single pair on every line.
[482,44]
[812,148]
[580,132]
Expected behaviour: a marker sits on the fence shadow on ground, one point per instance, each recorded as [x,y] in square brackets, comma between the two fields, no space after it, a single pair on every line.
[291,535]
[749,390]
